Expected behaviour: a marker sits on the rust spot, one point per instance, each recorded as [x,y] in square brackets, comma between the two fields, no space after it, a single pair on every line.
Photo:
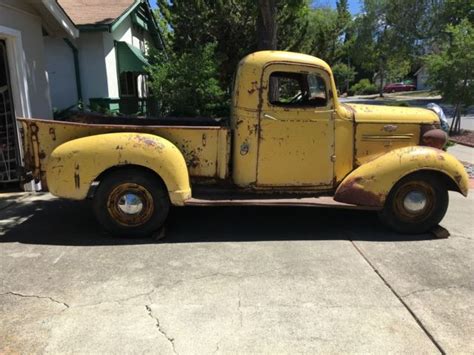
[254,87]
[353,192]
[52,132]
[192,160]
[77,177]
[149,142]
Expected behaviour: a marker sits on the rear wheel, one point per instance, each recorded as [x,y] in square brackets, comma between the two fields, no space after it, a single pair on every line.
[131,202]
[416,204]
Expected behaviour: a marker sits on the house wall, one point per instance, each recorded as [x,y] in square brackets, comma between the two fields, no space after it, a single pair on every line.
[124,33]
[421,79]
[111,65]
[19,16]
[92,65]
[61,73]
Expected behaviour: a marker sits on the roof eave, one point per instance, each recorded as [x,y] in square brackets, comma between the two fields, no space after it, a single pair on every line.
[94,27]
[61,24]
[122,17]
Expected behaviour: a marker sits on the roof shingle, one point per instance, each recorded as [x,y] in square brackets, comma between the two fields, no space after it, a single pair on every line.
[95,12]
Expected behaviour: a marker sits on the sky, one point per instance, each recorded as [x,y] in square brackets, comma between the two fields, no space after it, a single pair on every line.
[354,5]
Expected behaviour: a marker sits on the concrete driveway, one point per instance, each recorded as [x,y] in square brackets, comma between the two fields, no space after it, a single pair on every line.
[228,280]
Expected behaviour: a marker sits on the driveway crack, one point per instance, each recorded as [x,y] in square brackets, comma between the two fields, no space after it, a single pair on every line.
[160,329]
[35,296]
[400,299]
[432,290]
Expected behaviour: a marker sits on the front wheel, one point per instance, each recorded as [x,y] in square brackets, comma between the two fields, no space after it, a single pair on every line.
[415,204]
[131,203]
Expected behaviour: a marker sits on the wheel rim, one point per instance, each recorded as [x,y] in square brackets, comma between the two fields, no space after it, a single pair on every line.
[130,204]
[414,201]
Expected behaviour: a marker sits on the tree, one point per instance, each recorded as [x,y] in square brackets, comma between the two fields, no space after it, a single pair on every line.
[228,25]
[397,69]
[380,41]
[292,23]
[328,32]
[267,25]
[231,26]
[344,75]
[451,71]
[187,84]
[323,34]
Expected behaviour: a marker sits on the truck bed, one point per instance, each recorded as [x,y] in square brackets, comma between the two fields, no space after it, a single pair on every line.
[206,149]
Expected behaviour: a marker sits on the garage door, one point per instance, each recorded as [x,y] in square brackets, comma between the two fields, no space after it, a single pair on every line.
[8,134]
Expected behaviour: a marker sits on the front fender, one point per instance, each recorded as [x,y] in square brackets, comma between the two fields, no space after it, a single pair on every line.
[370,184]
[74,165]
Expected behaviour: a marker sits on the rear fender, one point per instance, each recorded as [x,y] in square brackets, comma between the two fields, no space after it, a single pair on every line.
[370,184]
[74,165]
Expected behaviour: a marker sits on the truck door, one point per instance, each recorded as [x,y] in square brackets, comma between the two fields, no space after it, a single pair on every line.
[296,122]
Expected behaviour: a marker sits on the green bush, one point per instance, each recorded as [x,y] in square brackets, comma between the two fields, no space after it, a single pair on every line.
[186,84]
[363,87]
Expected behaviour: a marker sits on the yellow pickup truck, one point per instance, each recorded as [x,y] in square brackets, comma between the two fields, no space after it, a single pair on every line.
[289,141]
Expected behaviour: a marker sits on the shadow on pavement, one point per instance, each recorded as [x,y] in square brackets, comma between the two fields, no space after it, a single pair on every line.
[65,222]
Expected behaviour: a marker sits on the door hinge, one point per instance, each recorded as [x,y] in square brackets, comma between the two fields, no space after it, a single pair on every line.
[333,158]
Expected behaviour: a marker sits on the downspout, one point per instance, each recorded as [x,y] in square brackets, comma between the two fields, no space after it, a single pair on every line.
[76,68]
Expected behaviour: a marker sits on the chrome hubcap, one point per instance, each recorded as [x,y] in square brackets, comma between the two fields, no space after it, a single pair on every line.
[415,201]
[130,204]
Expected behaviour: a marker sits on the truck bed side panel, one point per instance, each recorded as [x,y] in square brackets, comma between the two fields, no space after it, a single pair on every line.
[205,149]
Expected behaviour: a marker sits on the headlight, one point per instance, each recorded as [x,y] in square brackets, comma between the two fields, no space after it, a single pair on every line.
[442,117]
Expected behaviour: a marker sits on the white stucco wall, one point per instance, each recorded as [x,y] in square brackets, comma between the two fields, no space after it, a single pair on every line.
[92,65]
[61,73]
[19,16]
[111,65]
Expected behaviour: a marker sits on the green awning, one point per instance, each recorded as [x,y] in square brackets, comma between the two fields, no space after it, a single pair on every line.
[130,58]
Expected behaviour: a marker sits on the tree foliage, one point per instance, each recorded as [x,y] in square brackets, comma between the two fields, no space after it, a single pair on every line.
[187,84]
[344,75]
[451,71]
[388,39]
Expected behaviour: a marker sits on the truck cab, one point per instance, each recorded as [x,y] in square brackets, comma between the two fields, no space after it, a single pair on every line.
[289,141]
[289,125]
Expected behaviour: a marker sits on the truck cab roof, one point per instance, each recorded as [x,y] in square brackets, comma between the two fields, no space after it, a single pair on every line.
[261,58]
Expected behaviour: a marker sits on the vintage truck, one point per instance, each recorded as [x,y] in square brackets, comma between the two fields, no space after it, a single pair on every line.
[289,141]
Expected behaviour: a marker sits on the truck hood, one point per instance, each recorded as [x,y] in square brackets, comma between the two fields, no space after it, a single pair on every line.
[391,114]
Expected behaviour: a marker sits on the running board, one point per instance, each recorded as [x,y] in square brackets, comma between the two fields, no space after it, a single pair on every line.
[322,201]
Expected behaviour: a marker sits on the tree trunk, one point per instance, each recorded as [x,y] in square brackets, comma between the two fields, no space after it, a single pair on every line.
[456,123]
[267,25]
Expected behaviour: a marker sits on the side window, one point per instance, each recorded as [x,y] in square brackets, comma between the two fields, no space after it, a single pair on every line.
[297,89]
[128,84]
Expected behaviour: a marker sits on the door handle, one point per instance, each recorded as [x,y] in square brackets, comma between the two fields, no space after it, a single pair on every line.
[265,115]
